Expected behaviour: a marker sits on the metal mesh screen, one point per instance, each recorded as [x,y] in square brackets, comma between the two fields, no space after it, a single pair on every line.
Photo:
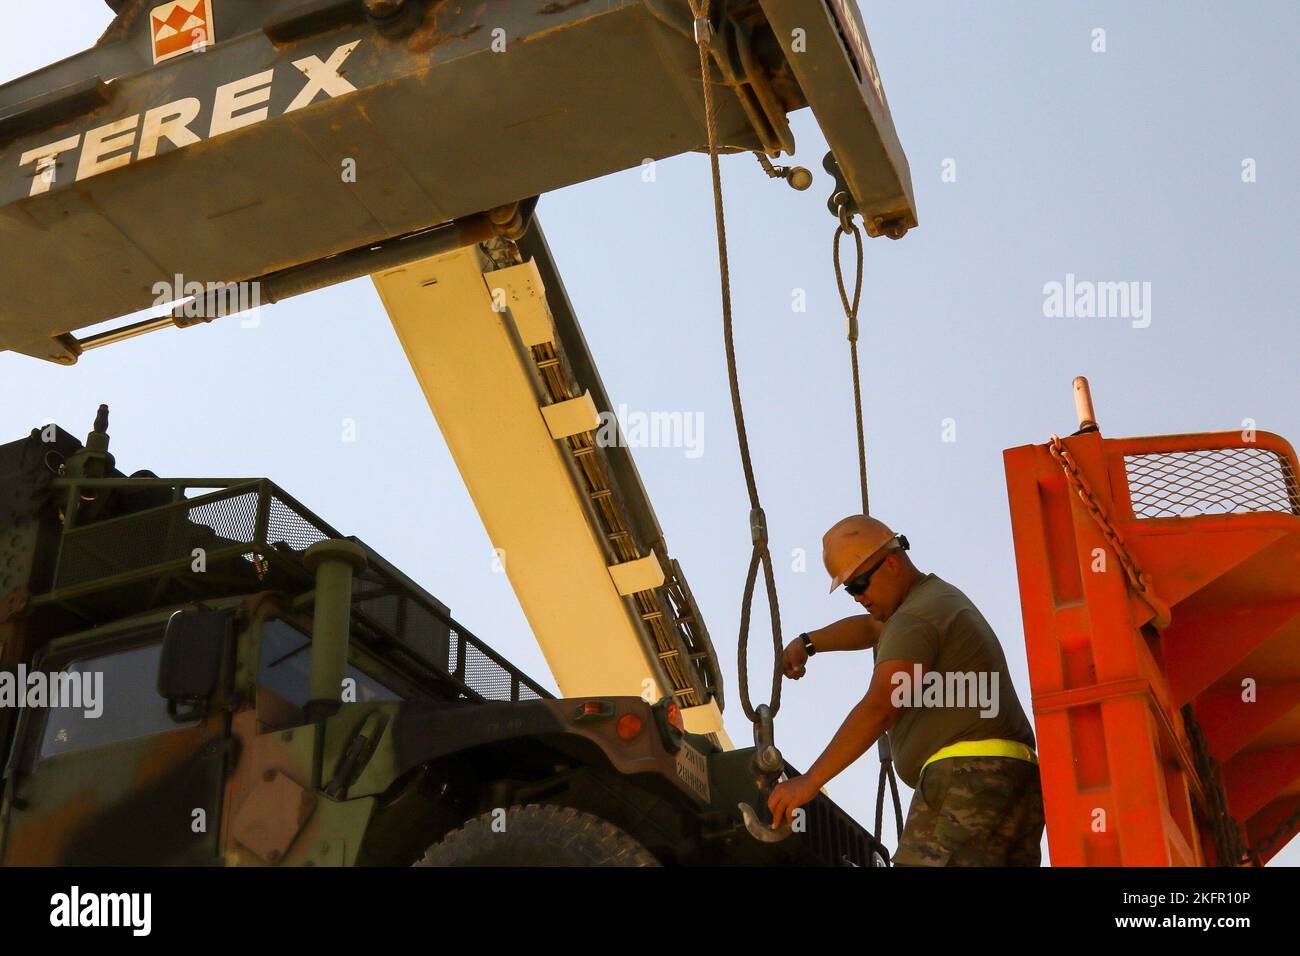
[285,526]
[397,614]
[155,537]
[425,633]
[401,614]
[254,538]
[101,551]
[485,676]
[233,519]
[835,838]
[470,662]
[1212,481]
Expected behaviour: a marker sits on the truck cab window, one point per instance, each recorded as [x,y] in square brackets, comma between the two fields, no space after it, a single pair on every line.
[285,667]
[116,698]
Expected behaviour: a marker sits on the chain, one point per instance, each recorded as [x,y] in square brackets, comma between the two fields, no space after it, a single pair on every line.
[1139,580]
[1287,826]
[1228,841]
[1229,847]
[757,520]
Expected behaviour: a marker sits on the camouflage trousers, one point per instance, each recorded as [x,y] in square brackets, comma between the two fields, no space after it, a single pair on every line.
[974,811]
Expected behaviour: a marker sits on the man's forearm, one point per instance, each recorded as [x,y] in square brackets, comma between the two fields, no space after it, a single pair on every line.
[861,728]
[855,633]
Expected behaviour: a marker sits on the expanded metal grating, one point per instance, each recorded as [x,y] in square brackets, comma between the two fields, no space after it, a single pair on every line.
[159,536]
[478,669]
[218,525]
[286,526]
[1215,481]
[252,537]
[232,518]
[834,837]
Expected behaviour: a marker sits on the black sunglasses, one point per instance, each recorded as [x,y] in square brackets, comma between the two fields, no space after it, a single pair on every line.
[858,586]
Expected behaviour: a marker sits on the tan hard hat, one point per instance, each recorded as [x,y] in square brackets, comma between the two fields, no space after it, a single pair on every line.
[850,543]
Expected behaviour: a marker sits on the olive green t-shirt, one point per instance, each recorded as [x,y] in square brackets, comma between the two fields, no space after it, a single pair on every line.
[965,691]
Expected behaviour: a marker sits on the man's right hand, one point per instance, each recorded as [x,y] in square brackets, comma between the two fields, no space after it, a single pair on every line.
[795,659]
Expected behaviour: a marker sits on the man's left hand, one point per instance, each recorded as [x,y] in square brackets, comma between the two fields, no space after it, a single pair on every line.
[787,796]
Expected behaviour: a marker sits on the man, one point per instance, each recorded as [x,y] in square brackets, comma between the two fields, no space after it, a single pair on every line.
[942,691]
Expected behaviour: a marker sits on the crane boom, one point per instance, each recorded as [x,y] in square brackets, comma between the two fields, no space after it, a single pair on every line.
[310,132]
[298,144]
[527,424]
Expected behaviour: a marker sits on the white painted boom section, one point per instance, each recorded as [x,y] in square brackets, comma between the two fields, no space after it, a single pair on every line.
[468,360]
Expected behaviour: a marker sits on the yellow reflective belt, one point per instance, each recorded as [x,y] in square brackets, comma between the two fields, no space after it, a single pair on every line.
[984,748]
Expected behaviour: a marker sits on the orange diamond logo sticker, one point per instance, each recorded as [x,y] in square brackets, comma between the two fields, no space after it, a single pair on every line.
[182,26]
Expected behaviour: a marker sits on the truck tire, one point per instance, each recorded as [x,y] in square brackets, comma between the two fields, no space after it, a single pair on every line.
[538,835]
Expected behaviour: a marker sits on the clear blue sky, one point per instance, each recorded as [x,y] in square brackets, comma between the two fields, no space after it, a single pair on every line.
[1114,166]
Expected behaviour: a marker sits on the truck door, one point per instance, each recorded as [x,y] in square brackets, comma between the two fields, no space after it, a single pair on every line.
[113,779]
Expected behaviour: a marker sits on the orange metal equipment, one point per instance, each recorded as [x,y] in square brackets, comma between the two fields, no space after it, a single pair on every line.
[1210,527]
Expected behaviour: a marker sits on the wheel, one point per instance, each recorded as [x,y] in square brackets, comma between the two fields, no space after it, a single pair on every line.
[537,835]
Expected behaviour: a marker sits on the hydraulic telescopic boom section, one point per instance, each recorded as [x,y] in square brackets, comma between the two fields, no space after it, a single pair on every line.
[531,429]
[293,132]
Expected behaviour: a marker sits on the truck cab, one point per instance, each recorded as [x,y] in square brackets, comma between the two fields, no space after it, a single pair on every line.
[166,642]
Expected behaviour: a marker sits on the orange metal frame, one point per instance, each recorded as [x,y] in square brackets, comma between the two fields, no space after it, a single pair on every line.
[1119,783]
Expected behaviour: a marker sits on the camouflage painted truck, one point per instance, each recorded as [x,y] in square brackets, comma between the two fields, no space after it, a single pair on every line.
[273,693]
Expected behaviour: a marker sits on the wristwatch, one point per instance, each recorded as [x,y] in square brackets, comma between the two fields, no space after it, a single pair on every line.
[807,644]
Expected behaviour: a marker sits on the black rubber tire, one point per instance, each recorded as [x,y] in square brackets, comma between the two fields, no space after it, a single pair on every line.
[539,835]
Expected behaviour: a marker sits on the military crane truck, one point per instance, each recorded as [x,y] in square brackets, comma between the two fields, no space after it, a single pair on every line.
[271,692]
[311,142]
